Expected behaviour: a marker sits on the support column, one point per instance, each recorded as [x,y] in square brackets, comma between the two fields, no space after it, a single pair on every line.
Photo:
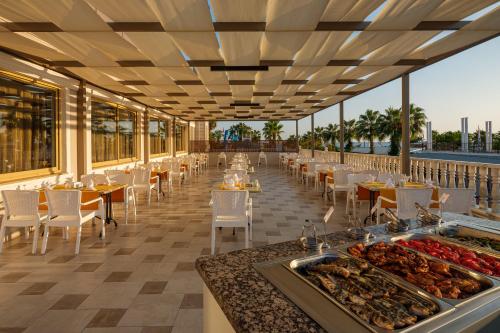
[297,133]
[174,139]
[147,146]
[405,125]
[429,135]
[313,135]
[189,137]
[341,134]
[465,134]
[81,128]
[489,137]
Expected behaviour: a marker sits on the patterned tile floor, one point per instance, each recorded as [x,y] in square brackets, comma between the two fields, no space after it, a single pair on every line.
[142,277]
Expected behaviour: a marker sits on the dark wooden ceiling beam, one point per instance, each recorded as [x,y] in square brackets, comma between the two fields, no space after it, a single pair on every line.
[239,26]
[31,26]
[134,63]
[440,25]
[134,83]
[238,68]
[347,81]
[136,26]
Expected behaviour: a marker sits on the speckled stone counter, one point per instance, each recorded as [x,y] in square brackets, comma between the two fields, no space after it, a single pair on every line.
[253,304]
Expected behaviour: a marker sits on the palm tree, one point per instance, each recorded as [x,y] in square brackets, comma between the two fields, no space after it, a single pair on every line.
[272,130]
[240,130]
[417,122]
[216,135]
[330,134]
[212,124]
[367,127]
[255,135]
[318,134]
[349,133]
[390,126]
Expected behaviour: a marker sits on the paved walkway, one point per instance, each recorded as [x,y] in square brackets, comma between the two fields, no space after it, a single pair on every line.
[142,278]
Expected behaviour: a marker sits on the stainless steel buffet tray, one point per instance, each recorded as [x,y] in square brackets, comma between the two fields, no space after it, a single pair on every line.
[444,241]
[296,264]
[449,229]
[490,284]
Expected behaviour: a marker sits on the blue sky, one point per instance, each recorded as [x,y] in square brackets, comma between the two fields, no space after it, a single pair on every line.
[466,84]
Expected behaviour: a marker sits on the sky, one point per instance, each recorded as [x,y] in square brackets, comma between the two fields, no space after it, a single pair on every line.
[464,85]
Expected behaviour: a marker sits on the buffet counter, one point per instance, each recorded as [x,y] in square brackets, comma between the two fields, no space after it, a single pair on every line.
[238,298]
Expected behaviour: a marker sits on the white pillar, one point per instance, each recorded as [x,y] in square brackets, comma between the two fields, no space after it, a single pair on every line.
[429,135]
[489,136]
[465,134]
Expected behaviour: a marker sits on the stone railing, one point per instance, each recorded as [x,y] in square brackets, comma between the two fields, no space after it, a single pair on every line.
[484,178]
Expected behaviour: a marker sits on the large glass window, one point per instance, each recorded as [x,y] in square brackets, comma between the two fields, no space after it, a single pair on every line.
[158,136]
[180,137]
[28,127]
[113,133]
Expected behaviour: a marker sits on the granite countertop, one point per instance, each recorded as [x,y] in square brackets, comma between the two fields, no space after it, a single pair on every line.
[250,302]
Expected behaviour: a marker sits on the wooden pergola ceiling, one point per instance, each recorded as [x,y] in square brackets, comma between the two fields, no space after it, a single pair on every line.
[241,59]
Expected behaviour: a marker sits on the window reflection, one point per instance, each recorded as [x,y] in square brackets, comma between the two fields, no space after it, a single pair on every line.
[28,122]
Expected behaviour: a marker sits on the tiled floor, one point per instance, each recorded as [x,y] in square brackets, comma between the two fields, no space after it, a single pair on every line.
[142,277]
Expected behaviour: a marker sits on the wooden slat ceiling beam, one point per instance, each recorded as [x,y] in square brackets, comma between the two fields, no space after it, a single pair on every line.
[241,61]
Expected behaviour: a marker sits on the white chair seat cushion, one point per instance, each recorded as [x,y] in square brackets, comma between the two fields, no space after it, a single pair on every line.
[340,187]
[63,220]
[22,220]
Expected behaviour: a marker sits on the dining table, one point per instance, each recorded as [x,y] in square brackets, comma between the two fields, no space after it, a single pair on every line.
[371,190]
[104,191]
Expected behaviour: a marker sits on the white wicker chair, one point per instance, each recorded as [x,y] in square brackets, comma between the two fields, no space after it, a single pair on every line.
[231,209]
[142,182]
[21,210]
[339,184]
[128,195]
[222,158]
[352,194]
[459,200]
[405,202]
[262,157]
[65,211]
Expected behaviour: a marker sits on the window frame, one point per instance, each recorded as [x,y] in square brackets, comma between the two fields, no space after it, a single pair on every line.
[183,140]
[12,177]
[119,160]
[158,120]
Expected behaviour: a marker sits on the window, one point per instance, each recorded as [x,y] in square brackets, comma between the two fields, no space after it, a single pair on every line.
[180,137]
[158,136]
[113,133]
[28,127]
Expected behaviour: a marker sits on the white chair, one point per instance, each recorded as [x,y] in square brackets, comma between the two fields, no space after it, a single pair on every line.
[384,177]
[405,202]
[97,179]
[21,210]
[352,194]
[128,192]
[339,184]
[222,158]
[142,182]
[238,173]
[112,173]
[459,200]
[176,172]
[65,211]
[370,172]
[231,209]
[262,157]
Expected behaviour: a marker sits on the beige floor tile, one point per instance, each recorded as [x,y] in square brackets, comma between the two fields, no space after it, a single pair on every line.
[152,310]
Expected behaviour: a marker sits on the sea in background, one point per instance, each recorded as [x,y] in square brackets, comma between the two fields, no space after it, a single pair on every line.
[382,148]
